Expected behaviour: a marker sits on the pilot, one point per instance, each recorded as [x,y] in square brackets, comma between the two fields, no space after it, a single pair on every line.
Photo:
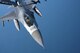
[28,21]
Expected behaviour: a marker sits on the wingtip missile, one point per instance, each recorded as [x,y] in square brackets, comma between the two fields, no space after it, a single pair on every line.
[16,22]
[37,11]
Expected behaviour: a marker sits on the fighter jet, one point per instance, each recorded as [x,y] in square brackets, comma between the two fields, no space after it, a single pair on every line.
[24,13]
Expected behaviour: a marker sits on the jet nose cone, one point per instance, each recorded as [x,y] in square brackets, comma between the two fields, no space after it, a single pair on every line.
[38,38]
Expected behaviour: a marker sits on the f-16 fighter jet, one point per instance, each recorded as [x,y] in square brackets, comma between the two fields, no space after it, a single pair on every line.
[24,13]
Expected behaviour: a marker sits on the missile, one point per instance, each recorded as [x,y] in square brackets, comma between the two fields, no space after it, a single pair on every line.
[16,22]
[37,11]
[3,23]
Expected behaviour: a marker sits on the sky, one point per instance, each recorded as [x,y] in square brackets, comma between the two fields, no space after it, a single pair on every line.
[59,25]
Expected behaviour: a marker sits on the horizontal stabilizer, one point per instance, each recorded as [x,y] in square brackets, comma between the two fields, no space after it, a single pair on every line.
[8,16]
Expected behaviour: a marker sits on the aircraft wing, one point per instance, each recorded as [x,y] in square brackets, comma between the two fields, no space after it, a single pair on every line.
[9,16]
[7,2]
